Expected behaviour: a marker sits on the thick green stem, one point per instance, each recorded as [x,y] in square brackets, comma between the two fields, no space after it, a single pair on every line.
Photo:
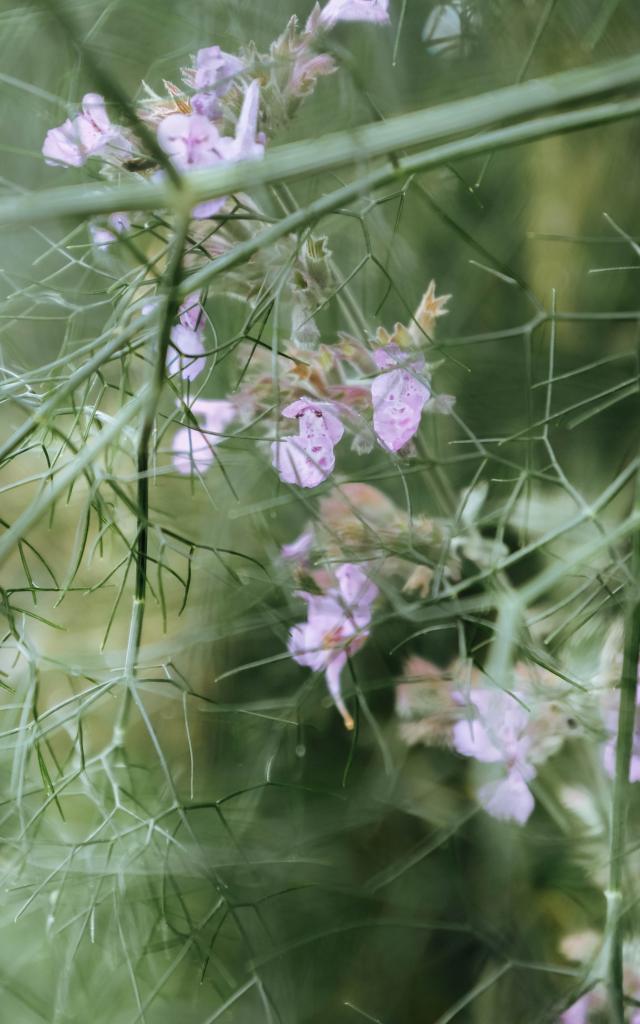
[466,118]
[621,785]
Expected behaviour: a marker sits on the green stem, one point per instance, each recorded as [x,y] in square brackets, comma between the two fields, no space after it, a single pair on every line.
[86,458]
[43,413]
[500,138]
[172,301]
[300,159]
[621,785]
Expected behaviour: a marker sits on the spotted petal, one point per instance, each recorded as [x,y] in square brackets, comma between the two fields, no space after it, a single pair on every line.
[306,465]
[398,400]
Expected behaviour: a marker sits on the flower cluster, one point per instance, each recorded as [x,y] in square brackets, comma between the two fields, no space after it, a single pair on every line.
[186,352]
[391,380]
[338,620]
[214,117]
[88,134]
[193,447]
[222,113]
[308,458]
[515,731]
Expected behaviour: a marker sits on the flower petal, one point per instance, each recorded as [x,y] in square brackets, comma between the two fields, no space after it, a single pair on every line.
[508,800]
[332,675]
[355,10]
[306,466]
[398,400]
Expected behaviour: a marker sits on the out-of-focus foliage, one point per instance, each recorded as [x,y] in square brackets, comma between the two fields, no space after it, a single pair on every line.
[244,858]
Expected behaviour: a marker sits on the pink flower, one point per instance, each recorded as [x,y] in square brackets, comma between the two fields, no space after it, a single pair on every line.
[186,353]
[308,459]
[213,78]
[88,134]
[191,313]
[398,397]
[510,799]
[498,734]
[103,237]
[299,549]
[307,69]
[578,1013]
[337,626]
[193,449]
[248,143]
[192,142]
[354,10]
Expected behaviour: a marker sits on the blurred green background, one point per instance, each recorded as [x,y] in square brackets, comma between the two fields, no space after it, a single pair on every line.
[360,881]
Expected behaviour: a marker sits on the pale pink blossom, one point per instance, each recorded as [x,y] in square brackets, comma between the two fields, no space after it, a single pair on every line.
[498,734]
[354,10]
[193,449]
[337,626]
[192,142]
[89,134]
[510,799]
[191,313]
[398,397]
[186,353]
[300,548]
[213,77]
[580,1011]
[248,143]
[308,459]
[307,68]
[102,237]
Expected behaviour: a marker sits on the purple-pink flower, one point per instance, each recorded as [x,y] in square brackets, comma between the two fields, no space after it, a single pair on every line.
[193,448]
[213,77]
[191,141]
[300,548]
[102,237]
[337,626]
[398,397]
[186,352]
[578,1012]
[308,67]
[191,313]
[308,459]
[88,134]
[497,734]
[354,10]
